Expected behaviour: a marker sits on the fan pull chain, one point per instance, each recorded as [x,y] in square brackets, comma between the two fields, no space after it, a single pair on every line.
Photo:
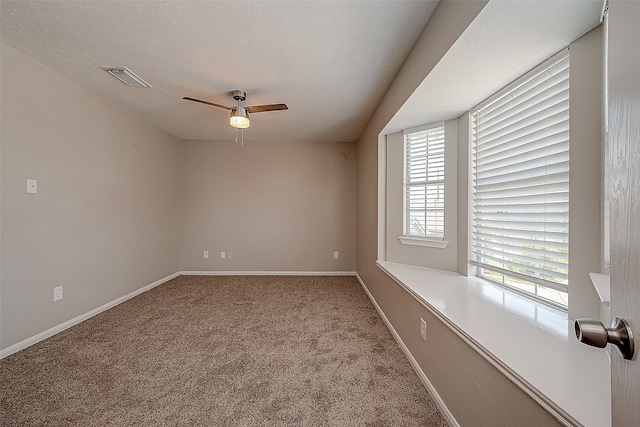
[241,136]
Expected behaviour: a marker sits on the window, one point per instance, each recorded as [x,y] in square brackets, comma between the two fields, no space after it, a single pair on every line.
[424,182]
[520,189]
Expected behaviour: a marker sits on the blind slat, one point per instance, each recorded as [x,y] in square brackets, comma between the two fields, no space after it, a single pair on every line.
[520,181]
[558,246]
[526,269]
[424,183]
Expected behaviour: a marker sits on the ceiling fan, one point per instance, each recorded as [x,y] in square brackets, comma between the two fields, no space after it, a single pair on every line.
[240,115]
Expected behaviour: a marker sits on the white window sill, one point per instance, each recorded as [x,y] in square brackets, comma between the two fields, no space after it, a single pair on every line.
[423,241]
[532,344]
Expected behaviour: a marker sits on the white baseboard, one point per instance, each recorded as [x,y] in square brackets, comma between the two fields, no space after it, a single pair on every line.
[69,323]
[448,416]
[267,273]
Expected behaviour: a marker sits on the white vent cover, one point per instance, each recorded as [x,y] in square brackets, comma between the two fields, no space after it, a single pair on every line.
[126,76]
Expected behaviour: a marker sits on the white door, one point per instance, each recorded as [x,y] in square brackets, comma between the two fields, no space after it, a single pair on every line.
[624,161]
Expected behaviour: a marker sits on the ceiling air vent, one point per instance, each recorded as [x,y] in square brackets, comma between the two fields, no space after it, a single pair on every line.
[126,76]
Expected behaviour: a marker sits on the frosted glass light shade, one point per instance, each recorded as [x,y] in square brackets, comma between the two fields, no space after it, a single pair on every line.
[239,118]
[239,122]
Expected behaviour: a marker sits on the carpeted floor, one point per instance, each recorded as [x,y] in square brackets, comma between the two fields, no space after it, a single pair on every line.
[222,351]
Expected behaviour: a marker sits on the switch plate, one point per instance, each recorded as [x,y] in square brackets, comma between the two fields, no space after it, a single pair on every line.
[206,254]
[32,186]
[336,254]
[57,293]
[222,255]
[229,254]
[423,329]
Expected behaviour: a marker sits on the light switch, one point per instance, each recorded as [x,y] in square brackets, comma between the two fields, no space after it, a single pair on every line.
[32,186]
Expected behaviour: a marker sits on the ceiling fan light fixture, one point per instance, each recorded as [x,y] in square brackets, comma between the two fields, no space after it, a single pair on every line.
[239,118]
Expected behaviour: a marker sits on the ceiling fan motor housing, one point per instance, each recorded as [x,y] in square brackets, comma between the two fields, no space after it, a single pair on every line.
[239,95]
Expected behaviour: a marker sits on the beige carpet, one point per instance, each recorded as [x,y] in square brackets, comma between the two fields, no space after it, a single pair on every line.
[222,351]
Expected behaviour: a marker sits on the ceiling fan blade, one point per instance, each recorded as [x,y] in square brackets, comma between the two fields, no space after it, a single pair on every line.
[270,107]
[208,103]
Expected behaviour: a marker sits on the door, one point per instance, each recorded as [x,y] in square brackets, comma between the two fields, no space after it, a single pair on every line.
[624,181]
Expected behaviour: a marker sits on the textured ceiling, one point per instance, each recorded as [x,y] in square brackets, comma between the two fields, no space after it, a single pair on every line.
[329,61]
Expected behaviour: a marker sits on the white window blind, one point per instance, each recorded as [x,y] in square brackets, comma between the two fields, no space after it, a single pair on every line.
[424,182]
[520,199]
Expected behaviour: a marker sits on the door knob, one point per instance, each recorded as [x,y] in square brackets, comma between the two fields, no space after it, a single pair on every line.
[593,332]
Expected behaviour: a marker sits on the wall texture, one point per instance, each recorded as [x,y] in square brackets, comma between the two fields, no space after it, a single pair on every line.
[277,206]
[474,391]
[104,221]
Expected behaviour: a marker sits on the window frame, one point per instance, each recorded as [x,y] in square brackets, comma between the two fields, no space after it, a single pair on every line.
[436,240]
[473,246]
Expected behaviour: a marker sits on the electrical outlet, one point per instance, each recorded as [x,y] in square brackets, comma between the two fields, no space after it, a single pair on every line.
[57,293]
[336,254]
[222,255]
[423,329]
[206,254]
[32,186]
[229,254]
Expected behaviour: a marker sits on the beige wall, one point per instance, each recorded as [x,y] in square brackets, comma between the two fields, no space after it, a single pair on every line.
[277,206]
[104,220]
[474,391]
[121,204]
